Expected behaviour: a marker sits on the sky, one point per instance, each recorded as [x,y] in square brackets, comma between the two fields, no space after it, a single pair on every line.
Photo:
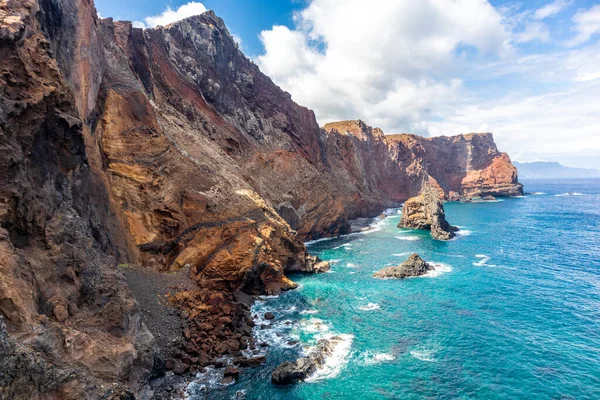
[527,71]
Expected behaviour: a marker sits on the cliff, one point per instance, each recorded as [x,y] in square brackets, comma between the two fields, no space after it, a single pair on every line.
[168,149]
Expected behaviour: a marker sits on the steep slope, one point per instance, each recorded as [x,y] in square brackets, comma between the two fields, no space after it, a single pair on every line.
[61,297]
[168,149]
[469,165]
[393,168]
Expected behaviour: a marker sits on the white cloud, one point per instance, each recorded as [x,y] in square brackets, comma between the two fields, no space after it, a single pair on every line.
[139,24]
[436,67]
[587,24]
[559,126]
[169,16]
[390,63]
[533,31]
[552,9]
[237,39]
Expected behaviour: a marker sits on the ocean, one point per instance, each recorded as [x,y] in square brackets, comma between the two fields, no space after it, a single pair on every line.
[512,310]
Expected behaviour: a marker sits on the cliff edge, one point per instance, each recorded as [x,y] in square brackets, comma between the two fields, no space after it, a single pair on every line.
[167,149]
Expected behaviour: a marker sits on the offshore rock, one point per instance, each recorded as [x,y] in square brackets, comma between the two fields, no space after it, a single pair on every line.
[426,212]
[413,266]
[293,372]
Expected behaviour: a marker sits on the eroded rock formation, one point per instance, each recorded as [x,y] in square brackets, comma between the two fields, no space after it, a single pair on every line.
[61,295]
[413,266]
[426,212]
[291,372]
[167,149]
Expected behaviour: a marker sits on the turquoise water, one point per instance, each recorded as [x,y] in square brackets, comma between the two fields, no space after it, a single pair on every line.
[512,311]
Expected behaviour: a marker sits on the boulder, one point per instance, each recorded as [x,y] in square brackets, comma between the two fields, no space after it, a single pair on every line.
[291,372]
[414,266]
[269,315]
[316,265]
[426,212]
[231,371]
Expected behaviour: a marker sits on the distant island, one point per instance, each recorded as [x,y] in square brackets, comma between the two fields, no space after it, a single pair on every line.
[550,169]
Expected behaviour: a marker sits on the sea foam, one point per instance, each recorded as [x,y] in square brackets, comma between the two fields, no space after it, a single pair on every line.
[408,238]
[370,307]
[336,362]
[569,194]
[440,269]
[423,355]
[370,358]
[483,259]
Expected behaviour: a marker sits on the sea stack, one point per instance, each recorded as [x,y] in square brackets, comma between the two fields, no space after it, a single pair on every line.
[426,212]
[292,372]
[414,266]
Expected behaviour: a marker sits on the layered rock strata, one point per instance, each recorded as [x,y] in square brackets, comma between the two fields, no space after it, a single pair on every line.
[426,212]
[413,266]
[168,149]
[62,298]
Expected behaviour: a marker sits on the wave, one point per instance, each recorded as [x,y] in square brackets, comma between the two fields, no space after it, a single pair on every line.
[350,265]
[373,227]
[335,362]
[370,307]
[406,253]
[311,242]
[483,259]
[408,238]
[440,269]
[393,211]
[205,381]
[314,325]
[423,355]
[569,194]
[345,245]
[307,312]
[487,201]
[370,358]
[372,230]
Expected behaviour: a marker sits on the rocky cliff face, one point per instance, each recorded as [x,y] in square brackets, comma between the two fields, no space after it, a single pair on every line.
[426,212]
[469,165]
[167,148]
[61,297]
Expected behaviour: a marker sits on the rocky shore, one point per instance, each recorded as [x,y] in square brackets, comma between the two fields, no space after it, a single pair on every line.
[302,368]
[168,150]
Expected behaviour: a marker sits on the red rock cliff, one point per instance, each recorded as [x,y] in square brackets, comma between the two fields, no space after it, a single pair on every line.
[167,148]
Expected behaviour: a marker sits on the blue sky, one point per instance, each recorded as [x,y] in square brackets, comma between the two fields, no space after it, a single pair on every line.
[245,18]
[528,71]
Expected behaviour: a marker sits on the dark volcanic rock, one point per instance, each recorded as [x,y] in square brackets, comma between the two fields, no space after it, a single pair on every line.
[269,316]
[231,371]
[168,149]
[295,371]
[426,212]
[414,266]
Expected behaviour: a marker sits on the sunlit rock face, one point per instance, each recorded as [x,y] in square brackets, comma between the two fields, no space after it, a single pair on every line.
[167,149]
